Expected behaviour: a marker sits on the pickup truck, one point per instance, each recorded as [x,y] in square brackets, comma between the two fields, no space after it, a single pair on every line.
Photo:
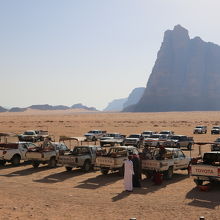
[81,156]
[33,135]
[174,159]
[182,141]
[134,140]
[216,145]
[167,132]
[147,134]
[215,130]
[14,152]
[112,139]
[201,129]
[207,169]
[156,140]
[48,153]
[94,135]
[114,159]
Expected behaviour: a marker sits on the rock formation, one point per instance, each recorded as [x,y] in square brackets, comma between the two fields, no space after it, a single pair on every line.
[81,106]
[116,105]
[185,77]
[3,109]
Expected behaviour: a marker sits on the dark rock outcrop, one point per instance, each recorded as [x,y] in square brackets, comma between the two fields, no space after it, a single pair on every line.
[185,77]
[3,109]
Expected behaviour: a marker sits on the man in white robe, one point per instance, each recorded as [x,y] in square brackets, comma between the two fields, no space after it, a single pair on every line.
[128,174]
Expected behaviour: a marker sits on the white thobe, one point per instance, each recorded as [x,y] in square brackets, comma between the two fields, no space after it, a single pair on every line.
[128,174]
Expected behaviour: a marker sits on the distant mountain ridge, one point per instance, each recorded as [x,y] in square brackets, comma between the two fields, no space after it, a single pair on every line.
[48,107]
[120,104]
[185,77]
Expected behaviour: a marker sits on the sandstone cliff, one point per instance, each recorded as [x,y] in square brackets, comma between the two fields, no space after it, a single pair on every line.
[185,77]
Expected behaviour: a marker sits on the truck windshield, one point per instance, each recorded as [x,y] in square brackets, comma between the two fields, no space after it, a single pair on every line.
[175,137]
[80,150]
[215,128]
[28,133]
[110,135]
[211,158]
[134,136]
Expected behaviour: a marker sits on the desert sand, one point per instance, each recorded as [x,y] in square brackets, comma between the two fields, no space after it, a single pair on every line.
[44,193]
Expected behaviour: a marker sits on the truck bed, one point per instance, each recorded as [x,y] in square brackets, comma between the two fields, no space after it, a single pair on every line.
[104,161]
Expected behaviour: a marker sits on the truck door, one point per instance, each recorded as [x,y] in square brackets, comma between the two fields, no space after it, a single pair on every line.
[183,161]
[176,164]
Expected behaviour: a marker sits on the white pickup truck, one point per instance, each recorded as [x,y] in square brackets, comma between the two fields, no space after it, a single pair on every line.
[81,156]
[114,159]
[94,135]
[208,169]
[112,139]
[46,154]
[174,159]
[14,152]
[33,135]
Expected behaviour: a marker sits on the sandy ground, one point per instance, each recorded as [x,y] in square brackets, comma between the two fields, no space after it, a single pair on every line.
[43,193]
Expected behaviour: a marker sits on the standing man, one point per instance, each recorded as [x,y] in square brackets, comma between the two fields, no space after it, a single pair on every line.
[137,171]
[128,174]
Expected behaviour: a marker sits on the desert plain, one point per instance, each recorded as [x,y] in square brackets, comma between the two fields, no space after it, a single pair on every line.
[43,193]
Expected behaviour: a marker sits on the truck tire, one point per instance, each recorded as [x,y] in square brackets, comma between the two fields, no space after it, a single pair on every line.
[35,164]
[189,146]
[121,171]
[198,182]
[87,166]
[169,173]
[2,162]
[93,139]
[68,169]
[16,160]
[104,171]
[52,162]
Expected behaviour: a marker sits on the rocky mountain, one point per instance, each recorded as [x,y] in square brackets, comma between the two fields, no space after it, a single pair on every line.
[116,105]
[3,109]
[185,77]
[81,106]
[134,96]
[48,107]
[17,109]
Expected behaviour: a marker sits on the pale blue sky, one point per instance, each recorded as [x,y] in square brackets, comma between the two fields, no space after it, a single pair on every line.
[89,51]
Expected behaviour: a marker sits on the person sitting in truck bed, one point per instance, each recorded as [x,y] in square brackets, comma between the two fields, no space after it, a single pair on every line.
[162,153]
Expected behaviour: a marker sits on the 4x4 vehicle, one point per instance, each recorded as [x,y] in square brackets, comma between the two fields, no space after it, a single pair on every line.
[94,135]
[174,159]
[81,156]
[114,159]
[133,140]
[207,169]
[146,134]
[112,139]
[33,135]
[156,139]
[167,132]
[14,152]
[216,145]
[182,141]
[200,129]
[48,153]
[215,130]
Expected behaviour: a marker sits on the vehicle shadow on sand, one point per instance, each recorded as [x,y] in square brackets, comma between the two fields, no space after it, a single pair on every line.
[60,177]
[205,199]
[99,181]
[27,171]
[148,186]
[9,165]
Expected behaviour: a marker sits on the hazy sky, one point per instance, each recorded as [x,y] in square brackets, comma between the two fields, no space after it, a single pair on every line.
[89,51]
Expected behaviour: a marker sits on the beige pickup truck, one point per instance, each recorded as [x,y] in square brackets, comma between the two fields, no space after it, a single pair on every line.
[114,159]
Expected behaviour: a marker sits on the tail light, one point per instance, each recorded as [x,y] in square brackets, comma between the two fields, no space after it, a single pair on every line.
[218,171]
[194,161]
[189,169]
[4,152]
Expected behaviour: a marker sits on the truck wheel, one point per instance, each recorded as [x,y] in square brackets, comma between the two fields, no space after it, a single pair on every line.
[87,166]
[198,182]
[52,162]
[169,173]
[35,164]
[121,171]
[2,162]
[104,171]
[189,147]
[16,160]
[93,139]
[68,169]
